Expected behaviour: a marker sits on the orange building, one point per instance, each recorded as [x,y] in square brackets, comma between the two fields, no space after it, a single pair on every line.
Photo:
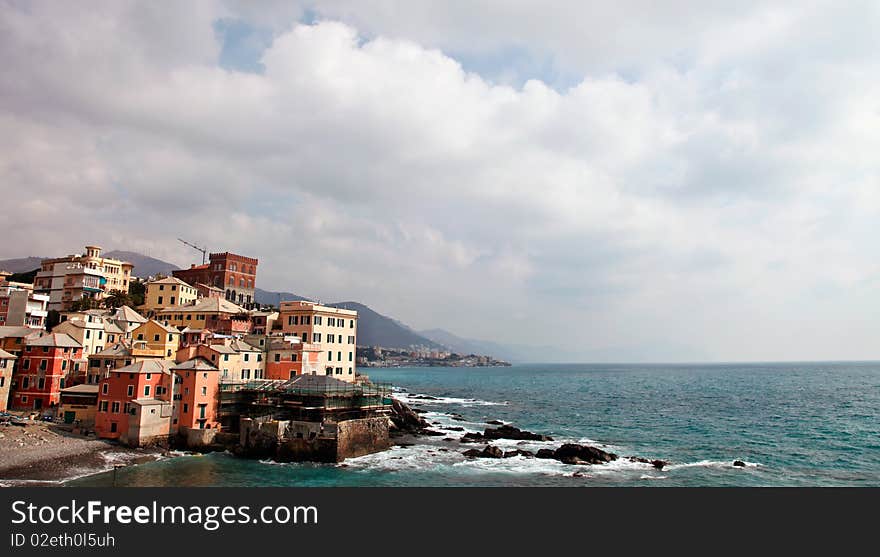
[288,356]
[134,402]
[197,383]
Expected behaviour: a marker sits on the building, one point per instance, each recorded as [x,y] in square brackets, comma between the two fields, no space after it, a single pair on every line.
[46,366]
[7,363]
[235,274]
[218,315]
[167,292]
[79,405]
[156,339]
[88,328]
[12,338]
[81,276]
[135,402]
[197,392]
[263,322]
[21,307]
[287,356]
[237,361]
[333,329]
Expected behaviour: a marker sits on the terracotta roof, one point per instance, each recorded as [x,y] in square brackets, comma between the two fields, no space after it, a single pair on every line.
[62,340]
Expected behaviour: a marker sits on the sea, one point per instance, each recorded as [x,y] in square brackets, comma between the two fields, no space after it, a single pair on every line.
[792,424]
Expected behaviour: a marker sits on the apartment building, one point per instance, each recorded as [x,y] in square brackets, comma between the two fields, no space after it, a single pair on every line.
[334,330]
[135,402]
[21,307]
[81,276]
[7,363]
[218,315]
[167,292]
[45,366]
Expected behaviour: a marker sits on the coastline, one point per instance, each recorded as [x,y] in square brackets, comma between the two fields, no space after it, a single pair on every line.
[42,454]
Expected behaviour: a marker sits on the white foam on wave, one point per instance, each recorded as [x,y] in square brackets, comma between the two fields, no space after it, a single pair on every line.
[711,464]
[417,399]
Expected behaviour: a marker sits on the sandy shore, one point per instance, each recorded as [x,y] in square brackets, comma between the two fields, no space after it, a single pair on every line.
[40,453]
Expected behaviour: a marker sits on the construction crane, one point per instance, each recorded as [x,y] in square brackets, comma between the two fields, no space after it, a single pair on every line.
[203,250]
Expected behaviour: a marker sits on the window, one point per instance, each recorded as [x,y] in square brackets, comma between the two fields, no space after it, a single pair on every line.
[26,364]
[306,319]
[204,391]
[130,390]
[277,357]
[140,336]
[316,337]
[161,287]
[88,333]
[113,427]
[63,364]
[305,337]
[330,356]
[103,406]
[160,300]
[185,408]
[100,335]
[339,371]
[104,389]
[149,376]
[172,300]
[225,357]
[351,356]
[331,338]
[43,365]
[246,355]
[115,407]
[331,321]
[339,356]
[146,390]
[318,320]
[41,383]
[349,371]
[24,398]
[351,324]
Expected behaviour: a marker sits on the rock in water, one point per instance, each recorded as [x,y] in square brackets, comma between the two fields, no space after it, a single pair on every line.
[658,464]
[590,455]
[405,418]
[495,422]
[739,463]
[515,433]
[545,453]
[488,452]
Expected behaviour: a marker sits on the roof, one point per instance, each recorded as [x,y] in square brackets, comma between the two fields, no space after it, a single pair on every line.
[125,313]
[198,363]
[62,340]
[149,402]
[166,328]
[193,330]
[207,305]
[241,346]
[4,355]
[10,331]
[208,287]
[117,349]
[111,327]
[319,383]
[147,366]
[168,280]
[222,349]
[193,268]
[81,390]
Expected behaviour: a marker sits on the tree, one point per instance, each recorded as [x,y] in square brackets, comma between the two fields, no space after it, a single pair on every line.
[117,298]
[138,291]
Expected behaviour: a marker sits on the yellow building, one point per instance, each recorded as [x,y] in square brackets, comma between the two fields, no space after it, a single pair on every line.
[333,329]
[79,405]
[157,337]
[237,360]
[87,329]
[215,314]
[166,293]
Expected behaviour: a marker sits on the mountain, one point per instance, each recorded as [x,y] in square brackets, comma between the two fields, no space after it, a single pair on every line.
[21,265]
[267,297]
[375,329]
[144,266]
[461,345]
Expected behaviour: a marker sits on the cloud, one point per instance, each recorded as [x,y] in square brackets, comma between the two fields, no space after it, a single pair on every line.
[689,177]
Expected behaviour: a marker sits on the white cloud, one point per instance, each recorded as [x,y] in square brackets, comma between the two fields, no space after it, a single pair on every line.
[708,174]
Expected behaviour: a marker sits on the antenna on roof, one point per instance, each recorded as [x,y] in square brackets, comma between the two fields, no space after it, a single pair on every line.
[203,250]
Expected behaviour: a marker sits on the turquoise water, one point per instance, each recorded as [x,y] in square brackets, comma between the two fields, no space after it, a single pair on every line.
[794,424]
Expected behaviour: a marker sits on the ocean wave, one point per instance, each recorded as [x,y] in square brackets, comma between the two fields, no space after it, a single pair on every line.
[711,464]
[418,399]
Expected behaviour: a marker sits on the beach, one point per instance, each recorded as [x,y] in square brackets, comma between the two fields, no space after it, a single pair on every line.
[42,453]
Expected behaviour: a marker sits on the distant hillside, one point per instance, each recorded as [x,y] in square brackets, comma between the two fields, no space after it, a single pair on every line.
[375,329]
[273,298]
[473,346]
[21,265]
[143,266]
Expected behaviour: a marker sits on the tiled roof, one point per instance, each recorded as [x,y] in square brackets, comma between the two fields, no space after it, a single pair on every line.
[125,313]
[147,366]
[10,331]
[4,355]
[117,349]
[81,390]
[207,305]
[198,363]
[62,340]
[168,280]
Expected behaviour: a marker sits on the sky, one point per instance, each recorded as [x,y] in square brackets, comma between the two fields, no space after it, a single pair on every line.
[626,181]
